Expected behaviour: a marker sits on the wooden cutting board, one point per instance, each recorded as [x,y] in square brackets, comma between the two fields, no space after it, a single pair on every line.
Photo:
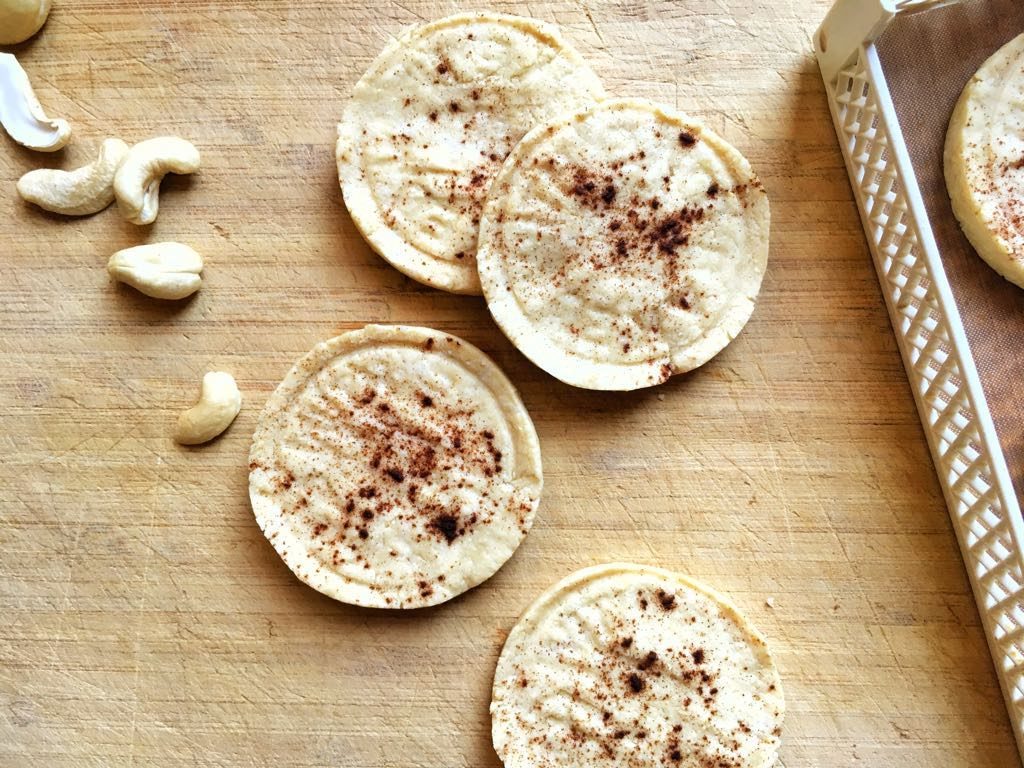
[145,620]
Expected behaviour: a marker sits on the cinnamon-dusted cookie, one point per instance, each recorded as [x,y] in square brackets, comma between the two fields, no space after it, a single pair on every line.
[394,467]
[623,244]
[629,665]
[984,161]
[430,123]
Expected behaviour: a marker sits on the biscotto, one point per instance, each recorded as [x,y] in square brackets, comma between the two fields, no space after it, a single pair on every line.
[395,467]
[628,665]
[623,244]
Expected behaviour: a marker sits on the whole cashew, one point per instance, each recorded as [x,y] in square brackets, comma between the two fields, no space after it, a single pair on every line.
[88,189]
[137,182]
[160,270]
[20,19]
[21,114]
[219,403]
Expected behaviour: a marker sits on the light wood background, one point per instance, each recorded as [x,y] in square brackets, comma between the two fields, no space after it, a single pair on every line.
[144,621]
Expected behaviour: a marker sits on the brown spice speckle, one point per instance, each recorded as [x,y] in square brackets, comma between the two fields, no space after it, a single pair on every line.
[447,526]
[648,661]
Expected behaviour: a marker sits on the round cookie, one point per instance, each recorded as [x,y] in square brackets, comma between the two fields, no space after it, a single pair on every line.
[984,161]
[623,244]
[429,125]
[625,664]
[394,467]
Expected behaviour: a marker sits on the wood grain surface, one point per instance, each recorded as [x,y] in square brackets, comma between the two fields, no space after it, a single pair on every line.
[144,620]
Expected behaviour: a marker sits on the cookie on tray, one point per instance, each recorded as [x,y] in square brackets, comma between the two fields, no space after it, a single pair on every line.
[984,161]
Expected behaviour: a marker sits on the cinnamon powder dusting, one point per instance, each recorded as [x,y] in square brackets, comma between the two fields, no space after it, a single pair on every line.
[411,446]
[1008,219]
[642,232]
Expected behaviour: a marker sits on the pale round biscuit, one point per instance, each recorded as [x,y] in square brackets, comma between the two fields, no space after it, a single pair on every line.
[629,665]
[394,467]
[984,161]
[429,125]
[623,244]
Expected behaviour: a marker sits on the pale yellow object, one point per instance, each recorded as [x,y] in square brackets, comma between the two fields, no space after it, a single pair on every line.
[86,190]
[630,665]
[22,115]
[160,270]
[984,161]
[395,467]
[218,405]
[622,244]
[20,19]
[430,123]
[137,183]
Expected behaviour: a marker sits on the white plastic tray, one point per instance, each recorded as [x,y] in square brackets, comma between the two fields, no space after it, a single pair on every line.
[968,458]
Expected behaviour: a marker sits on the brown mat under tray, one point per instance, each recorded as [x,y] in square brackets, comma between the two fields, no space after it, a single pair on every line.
[928,58]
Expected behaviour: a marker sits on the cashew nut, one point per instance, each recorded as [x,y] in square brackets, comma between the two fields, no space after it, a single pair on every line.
[21,114]
[137,182]
[160,270]
[20,19]
[88,189]
[219,403]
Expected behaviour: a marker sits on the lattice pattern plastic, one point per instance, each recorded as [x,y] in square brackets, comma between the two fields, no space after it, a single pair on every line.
[935,366]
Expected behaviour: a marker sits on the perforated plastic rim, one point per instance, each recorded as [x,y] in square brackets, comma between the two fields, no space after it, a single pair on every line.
[968,458]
